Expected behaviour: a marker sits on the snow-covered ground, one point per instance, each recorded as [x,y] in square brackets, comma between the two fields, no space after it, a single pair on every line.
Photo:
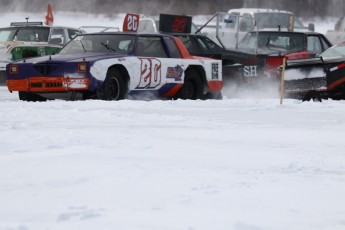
[232,164]
[241,164]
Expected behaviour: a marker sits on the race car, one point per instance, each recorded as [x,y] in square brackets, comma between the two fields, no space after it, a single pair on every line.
[31,39]
[258,55]
[261,51]
[113,66]
[316,78]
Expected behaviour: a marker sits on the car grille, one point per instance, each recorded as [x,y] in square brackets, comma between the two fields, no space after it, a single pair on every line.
[45,69]
[307,84]
[46,85]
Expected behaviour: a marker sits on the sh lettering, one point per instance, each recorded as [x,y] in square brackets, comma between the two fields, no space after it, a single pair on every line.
[250,71]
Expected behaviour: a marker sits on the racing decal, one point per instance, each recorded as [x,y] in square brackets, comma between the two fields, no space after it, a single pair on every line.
[179,24]
[250,71]
[175,73]
[49,17]
[215,71]
[131,23]
[170,89]
[337,67]
[150,74]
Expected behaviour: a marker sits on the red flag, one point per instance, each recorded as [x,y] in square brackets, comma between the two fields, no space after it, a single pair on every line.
[49,17]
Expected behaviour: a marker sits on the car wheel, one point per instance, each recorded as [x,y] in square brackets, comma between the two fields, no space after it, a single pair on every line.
[28,96]
[113,88]
[192,86]
[213,95]
[312,95]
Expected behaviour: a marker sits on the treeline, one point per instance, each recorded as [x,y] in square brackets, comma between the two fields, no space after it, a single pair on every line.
[302,8]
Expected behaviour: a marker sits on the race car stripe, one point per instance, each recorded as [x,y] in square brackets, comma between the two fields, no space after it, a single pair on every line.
[337,67]
[336,83]
[170,90]
[183,50]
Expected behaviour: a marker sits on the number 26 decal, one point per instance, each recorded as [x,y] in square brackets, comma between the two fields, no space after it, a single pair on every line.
[131,23]
[150,74]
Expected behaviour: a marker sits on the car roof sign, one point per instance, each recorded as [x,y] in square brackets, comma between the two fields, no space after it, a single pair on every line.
[175,23]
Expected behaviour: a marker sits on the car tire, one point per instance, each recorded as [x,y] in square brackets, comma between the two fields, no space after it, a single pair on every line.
[28,96]
[113,88]
[192,86]
[213,96]
[312,95]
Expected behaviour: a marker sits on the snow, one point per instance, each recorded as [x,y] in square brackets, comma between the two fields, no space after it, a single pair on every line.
[242,164]
[234,164]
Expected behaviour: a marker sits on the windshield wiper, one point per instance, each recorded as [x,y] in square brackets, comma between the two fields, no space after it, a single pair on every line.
[82,44]
[292,44]
[15,35]
[112,50]
[268,41]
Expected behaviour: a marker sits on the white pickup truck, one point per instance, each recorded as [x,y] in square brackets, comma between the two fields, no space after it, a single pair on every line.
[231,27]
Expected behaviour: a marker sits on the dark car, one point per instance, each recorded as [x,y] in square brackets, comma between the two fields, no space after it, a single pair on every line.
[317,78]
[258,55]
[261,52]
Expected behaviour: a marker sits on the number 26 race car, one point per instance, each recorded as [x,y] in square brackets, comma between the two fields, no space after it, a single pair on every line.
[112,66]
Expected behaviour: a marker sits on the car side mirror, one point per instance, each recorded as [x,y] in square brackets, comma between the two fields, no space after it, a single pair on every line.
[311,26]
[229,20]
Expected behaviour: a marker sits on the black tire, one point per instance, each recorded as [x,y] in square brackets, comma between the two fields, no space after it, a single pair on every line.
[312,95]
[214,96]
[113,88]
[192,86]
[28,96]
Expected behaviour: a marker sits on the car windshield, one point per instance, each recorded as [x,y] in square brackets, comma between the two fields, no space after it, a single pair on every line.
[273,40]
[334,51]
[110,43]
[273,20]
[25,34]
